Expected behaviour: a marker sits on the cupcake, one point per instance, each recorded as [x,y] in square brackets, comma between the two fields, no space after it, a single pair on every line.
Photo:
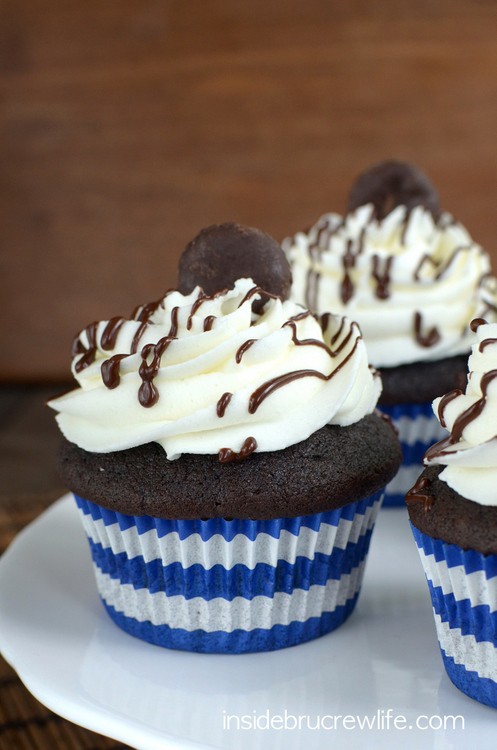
[226,457]
[413,279]
[453,513]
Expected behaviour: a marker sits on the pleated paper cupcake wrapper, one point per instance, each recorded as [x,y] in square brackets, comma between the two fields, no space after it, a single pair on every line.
[418,429]
[463,588]
[230,586]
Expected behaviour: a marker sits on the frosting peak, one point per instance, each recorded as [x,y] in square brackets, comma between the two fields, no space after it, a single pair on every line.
[413,282]
[206,374]
[470,451]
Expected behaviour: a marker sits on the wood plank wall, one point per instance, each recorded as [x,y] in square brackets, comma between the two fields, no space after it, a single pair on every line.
[127,126]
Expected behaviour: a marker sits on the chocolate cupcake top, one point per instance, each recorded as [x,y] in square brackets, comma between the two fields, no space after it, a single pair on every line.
[410,275]
[208,374]
[469,453]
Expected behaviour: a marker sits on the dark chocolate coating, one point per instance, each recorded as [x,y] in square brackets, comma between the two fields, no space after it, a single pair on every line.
[393,183]
[221,254]
[453,518]
[421,382]
[334,466]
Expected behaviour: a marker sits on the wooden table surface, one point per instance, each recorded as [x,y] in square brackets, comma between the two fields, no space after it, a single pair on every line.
[128,126]
[28,485]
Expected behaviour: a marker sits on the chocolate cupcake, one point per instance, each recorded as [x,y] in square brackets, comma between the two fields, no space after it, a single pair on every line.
[228,466]
[413,279]
[453,513]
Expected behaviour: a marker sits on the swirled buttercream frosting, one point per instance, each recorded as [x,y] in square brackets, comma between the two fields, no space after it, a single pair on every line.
[209,375]
[469,453]
[413,282]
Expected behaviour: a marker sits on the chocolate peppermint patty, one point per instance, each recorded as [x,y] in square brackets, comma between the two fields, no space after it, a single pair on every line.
[334,466]
[421,382]
[442,513]
[223,253]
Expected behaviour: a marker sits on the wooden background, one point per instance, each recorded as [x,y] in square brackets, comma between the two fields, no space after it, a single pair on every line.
[128,126]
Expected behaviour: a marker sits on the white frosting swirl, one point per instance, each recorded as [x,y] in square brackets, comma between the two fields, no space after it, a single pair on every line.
[471,458]
[295,378]
[423,267]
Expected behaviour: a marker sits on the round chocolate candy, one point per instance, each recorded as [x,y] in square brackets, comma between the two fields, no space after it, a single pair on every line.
[390,184]
[223,253]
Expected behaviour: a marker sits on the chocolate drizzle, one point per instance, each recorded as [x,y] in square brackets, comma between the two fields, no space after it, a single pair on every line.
[148,395]
[151,356]
[428,339]
[476,323]
[445,267]
[208,322]
[347,285]
[202,297]
[173,331]
[324,234]
[381,274]
[463,420]
[305,342]
[443,403]
[223,403]
[270,386]
[257,290]
[88,352]
[420,492]
[474,411]
[110,370]
[226,455]
[486,342]
[142,314]
[325,320]
[109,335]
[242,349]
[136,338]
[405,226]
[108,340]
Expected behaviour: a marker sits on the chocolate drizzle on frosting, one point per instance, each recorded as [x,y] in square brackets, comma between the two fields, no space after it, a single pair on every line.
[110,370]
[365,258]
[223,403]
[226,455]
[267,388]
[324,233]
[208,322]
[486,342]
[347,285]
[339,341]
[306,342]
[442,269]
[142,314]
[428,339]
[198,302]
[381,274]
[151,354]
[443,403]
[463,420]
[109,336]
[256,290]
[88,352]
[476,323]
[242,349]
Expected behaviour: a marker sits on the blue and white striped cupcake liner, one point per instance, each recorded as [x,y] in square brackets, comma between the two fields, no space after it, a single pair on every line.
[463,588]
[232,586]
[418,429]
